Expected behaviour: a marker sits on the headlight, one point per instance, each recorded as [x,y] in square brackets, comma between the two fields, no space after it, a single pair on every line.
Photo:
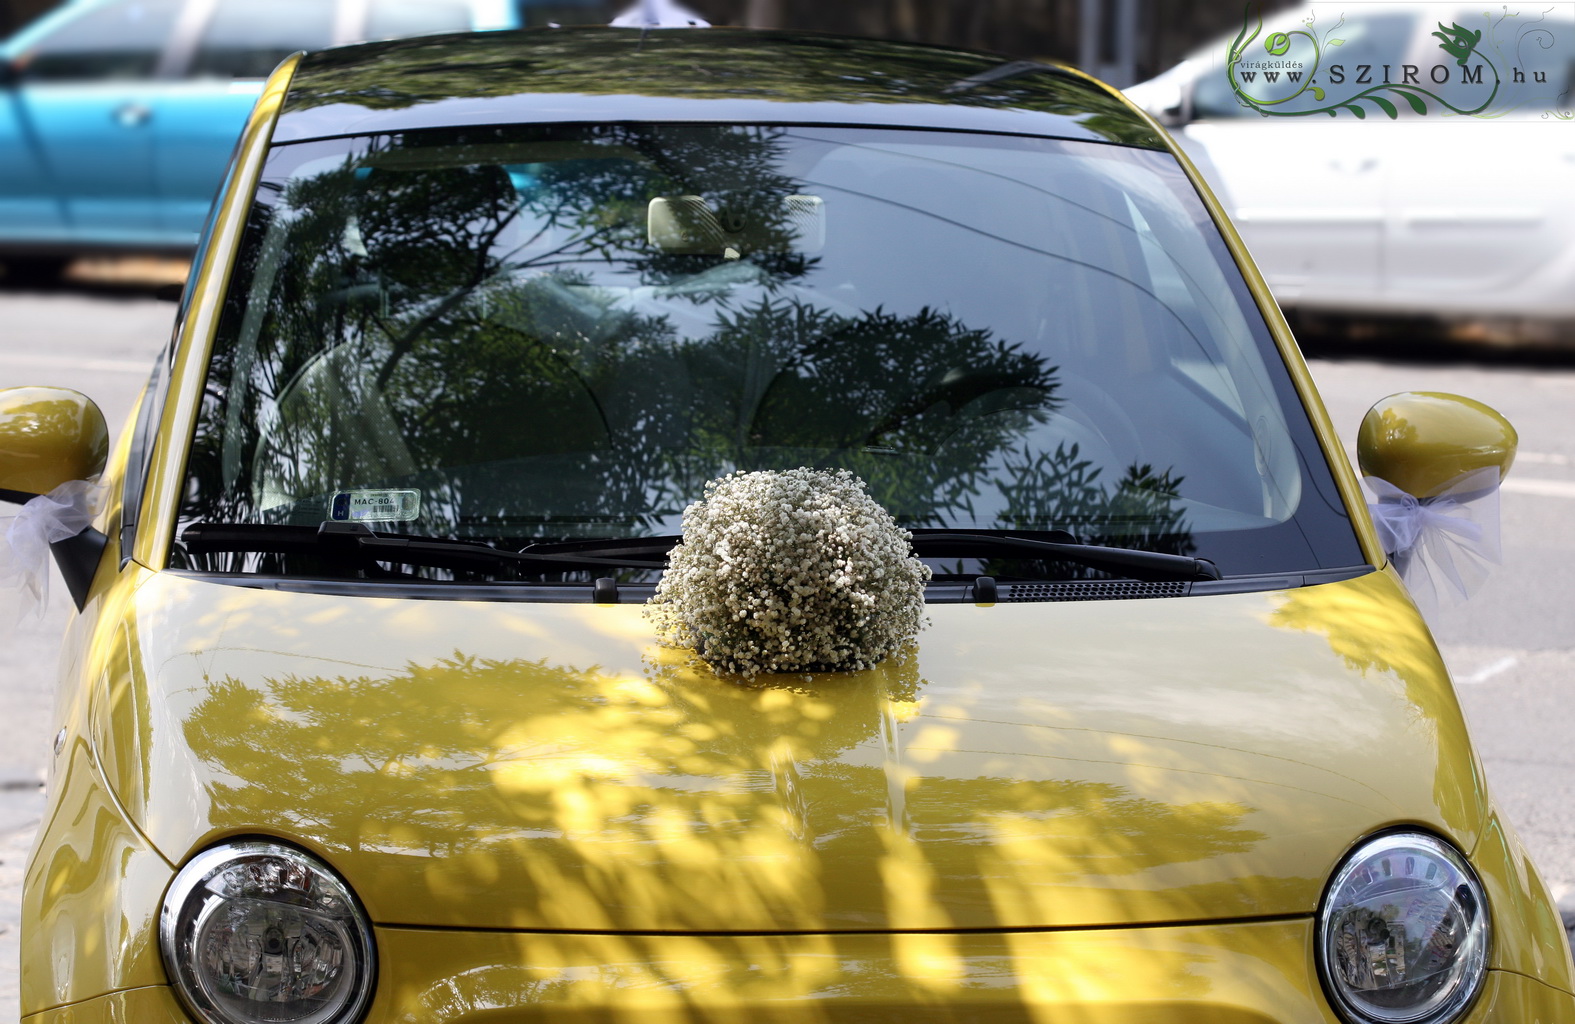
[260,933]
[1403,933]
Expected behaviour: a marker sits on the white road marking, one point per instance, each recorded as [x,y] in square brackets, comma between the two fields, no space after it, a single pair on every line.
[1523,484]
[1541,488]
[1497,668]
[44,362]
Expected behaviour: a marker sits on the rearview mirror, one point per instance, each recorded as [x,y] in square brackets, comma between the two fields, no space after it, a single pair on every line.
[1424,441]
[48,436]
[692,226]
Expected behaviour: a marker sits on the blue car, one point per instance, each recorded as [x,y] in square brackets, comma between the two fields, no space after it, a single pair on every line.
[117,117]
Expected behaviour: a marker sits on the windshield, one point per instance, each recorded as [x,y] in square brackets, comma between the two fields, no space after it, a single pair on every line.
[536,334]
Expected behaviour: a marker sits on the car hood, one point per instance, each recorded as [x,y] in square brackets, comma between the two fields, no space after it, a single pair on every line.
[549,766]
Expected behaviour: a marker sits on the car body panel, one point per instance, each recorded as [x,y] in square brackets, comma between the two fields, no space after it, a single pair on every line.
[1465,247]
[191,151]
[93,892]
[28,203]
[1236,973]
[576,776]
[52,134]
[1241,973]
[1207,988]
[1539,946]
[1206,757]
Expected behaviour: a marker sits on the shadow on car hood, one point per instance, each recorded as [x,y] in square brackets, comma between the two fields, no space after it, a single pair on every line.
[548,766]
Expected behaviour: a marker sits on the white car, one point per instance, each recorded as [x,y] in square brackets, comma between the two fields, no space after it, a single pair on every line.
[1393,158]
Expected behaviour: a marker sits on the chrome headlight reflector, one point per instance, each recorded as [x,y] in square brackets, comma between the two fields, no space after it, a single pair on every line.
[258,932]
[1403,933]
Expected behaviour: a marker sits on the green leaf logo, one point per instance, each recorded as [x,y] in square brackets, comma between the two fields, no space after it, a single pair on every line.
[1458,41]
[1277,44]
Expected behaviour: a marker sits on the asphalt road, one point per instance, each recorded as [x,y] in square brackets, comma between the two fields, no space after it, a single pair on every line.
[1511,648]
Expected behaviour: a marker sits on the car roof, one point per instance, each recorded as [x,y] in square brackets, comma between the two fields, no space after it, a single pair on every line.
[721,75]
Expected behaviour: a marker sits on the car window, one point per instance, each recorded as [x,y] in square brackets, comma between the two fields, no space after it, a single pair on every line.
[564,333]
[393,19]
[1368,39]
[116,41]
[248,38]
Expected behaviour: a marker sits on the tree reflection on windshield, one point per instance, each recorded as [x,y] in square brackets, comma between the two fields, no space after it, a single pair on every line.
[490,322]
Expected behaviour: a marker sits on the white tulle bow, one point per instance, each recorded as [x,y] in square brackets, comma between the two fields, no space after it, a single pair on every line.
[1443,545]
[24,545]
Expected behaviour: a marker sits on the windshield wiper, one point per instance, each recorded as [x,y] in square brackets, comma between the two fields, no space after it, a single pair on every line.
[1133,563]
[604,547]
[356,544]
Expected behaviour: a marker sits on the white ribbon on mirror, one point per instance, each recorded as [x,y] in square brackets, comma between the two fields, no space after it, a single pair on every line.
[1442,546]
[24,543]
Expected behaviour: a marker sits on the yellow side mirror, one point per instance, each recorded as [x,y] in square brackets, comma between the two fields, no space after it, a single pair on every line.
[1423,441]
[48,436]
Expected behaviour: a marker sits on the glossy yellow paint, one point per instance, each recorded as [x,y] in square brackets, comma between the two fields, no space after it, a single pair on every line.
[49,436]
[156,1005]
[1423,442]
[194,333]
[1530,939]
[1251,973]
[90,899]
[1027,766]
[1235,974]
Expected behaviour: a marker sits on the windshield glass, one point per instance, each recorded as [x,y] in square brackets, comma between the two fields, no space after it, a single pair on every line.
[557,333]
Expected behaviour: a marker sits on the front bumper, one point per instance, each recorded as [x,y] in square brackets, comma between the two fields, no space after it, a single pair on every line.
[1259,973]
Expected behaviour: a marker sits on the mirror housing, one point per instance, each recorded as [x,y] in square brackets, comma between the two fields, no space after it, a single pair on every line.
[1424,441]
[48,436]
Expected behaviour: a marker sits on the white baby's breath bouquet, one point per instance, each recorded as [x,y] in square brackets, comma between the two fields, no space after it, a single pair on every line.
[797,570]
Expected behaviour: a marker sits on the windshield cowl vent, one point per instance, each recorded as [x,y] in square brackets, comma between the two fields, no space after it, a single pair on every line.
[1093,590]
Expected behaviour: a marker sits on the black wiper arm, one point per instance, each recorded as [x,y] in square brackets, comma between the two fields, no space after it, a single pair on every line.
[1134,563]
[605,547]
[356,543]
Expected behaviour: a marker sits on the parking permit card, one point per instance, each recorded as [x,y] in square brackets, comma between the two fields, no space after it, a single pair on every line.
[375,506]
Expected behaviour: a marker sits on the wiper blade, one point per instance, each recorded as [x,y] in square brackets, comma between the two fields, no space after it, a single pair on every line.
[605,546]
[1133,563]
[357,544]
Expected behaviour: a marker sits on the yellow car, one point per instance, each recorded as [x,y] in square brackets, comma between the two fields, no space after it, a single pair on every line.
[364,719]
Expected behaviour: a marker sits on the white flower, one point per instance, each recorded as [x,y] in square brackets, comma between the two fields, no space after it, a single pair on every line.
[792,571]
